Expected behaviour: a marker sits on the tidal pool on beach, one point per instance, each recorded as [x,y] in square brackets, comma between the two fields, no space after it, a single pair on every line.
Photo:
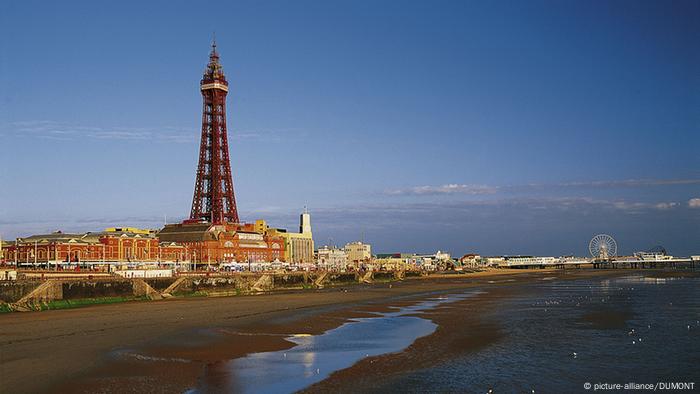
[315,357]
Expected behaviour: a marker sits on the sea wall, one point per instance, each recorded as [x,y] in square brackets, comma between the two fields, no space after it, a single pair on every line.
[13,291]
[77,289]
[242,283]
[342,278]
[32,294]
[383,276]
[160,284]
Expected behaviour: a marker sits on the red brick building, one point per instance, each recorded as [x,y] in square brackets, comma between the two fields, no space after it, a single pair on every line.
[208,243]
[116,244]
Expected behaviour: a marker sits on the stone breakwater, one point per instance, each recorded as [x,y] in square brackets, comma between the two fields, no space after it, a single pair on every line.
[57,293]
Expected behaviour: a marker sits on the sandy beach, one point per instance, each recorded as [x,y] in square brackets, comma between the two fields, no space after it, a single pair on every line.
[171,345]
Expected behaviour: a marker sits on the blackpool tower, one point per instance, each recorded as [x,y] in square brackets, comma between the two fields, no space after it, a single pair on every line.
[214,200]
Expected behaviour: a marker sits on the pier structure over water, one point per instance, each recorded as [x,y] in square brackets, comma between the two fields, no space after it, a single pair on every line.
[635,262]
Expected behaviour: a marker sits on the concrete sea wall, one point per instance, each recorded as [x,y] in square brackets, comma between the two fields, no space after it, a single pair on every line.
[34,294]
[13,291]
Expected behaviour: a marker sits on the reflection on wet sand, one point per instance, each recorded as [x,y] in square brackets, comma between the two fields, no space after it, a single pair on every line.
[316,356]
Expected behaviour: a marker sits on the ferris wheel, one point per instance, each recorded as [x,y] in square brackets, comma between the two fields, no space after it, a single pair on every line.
[602,246]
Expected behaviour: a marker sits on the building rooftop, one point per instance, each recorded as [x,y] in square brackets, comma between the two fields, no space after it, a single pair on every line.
[54,237]
[194,232]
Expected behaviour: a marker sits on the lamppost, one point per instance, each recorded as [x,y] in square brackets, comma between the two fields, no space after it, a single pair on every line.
[187,257]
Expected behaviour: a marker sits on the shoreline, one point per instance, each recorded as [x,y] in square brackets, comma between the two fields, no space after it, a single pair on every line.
[73,349]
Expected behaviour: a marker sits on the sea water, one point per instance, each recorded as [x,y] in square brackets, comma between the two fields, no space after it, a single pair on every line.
[551,347]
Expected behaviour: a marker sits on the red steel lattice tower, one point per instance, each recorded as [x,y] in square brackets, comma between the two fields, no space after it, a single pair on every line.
[214,199]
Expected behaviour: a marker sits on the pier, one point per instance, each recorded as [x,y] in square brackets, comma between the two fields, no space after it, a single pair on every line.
[636,263]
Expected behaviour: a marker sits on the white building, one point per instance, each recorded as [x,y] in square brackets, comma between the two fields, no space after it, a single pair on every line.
[305,222]
[528,261]
[433,258]
[6,274]
[331,258]
[471,260]
[358,252]
[494,261]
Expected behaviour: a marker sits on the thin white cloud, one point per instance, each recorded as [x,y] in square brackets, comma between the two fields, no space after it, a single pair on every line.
[48,129]
[666,205]
[257,136]
[479,189]
[629,183]
[53,130]
[277,135]
[451,188]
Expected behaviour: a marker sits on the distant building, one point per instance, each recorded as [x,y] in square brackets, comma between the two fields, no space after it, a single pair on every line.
[2,249]
[228,242]
[305,222]
[171,251]
[120,244]
[493,261]
[331,257]
[436,261]
[526,261]
[358,252]
[395,261]
[435,257]
[298,247]
[3,245]
[471,260]
[395,255]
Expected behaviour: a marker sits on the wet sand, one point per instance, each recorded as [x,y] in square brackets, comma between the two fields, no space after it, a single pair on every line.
[672,274]
[186,340]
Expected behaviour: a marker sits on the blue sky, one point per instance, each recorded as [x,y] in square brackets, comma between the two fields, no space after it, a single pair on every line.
[500,127]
